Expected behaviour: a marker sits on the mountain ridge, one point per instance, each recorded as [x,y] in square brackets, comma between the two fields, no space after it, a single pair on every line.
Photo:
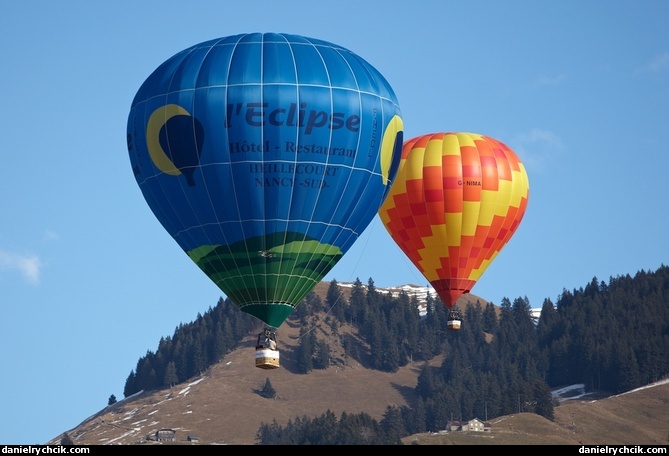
[223,404]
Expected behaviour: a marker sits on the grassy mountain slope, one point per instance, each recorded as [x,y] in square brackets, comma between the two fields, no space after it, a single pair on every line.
[222,406]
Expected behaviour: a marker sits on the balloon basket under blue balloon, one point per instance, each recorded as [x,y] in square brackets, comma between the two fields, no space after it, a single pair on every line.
[267,354]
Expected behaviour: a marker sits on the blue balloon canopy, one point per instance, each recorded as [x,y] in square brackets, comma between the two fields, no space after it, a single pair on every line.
[265,156]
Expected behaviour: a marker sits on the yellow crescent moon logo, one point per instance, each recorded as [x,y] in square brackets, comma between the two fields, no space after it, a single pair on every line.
[158,118]
[388,145]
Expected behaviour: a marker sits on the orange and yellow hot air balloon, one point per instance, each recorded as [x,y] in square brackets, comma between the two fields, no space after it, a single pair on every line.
[457,200]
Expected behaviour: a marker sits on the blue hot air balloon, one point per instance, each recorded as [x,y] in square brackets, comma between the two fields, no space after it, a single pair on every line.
[265,156]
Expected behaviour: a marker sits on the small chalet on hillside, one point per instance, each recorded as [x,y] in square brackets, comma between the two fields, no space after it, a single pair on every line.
[473,425]
[166,435]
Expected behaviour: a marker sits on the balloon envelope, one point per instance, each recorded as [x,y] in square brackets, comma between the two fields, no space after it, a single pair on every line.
[457,200]
[265,156]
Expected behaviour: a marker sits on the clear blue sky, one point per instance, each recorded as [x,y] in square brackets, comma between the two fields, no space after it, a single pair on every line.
[89,280]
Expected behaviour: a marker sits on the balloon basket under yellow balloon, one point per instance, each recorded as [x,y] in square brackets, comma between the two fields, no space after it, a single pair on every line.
[454,325]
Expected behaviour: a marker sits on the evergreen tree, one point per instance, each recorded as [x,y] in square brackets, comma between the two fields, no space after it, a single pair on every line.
[373,296]
[392,425]
[180,358]
[305,351]
[111,400]
[412,333]
[130,387]
[66,440]
[374,333]
[543,400]
[334,298]
[219,344]
[269,434]
[321,430]
[489,318]
[360,429]
[171,378]
[429,382]
[350,347]
[268,390]
[315,304]
[389,356]
[627,369]
[197,359]
[322,355]
[357,307]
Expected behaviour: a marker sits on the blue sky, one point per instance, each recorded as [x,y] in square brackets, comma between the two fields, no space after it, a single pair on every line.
[89,280]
